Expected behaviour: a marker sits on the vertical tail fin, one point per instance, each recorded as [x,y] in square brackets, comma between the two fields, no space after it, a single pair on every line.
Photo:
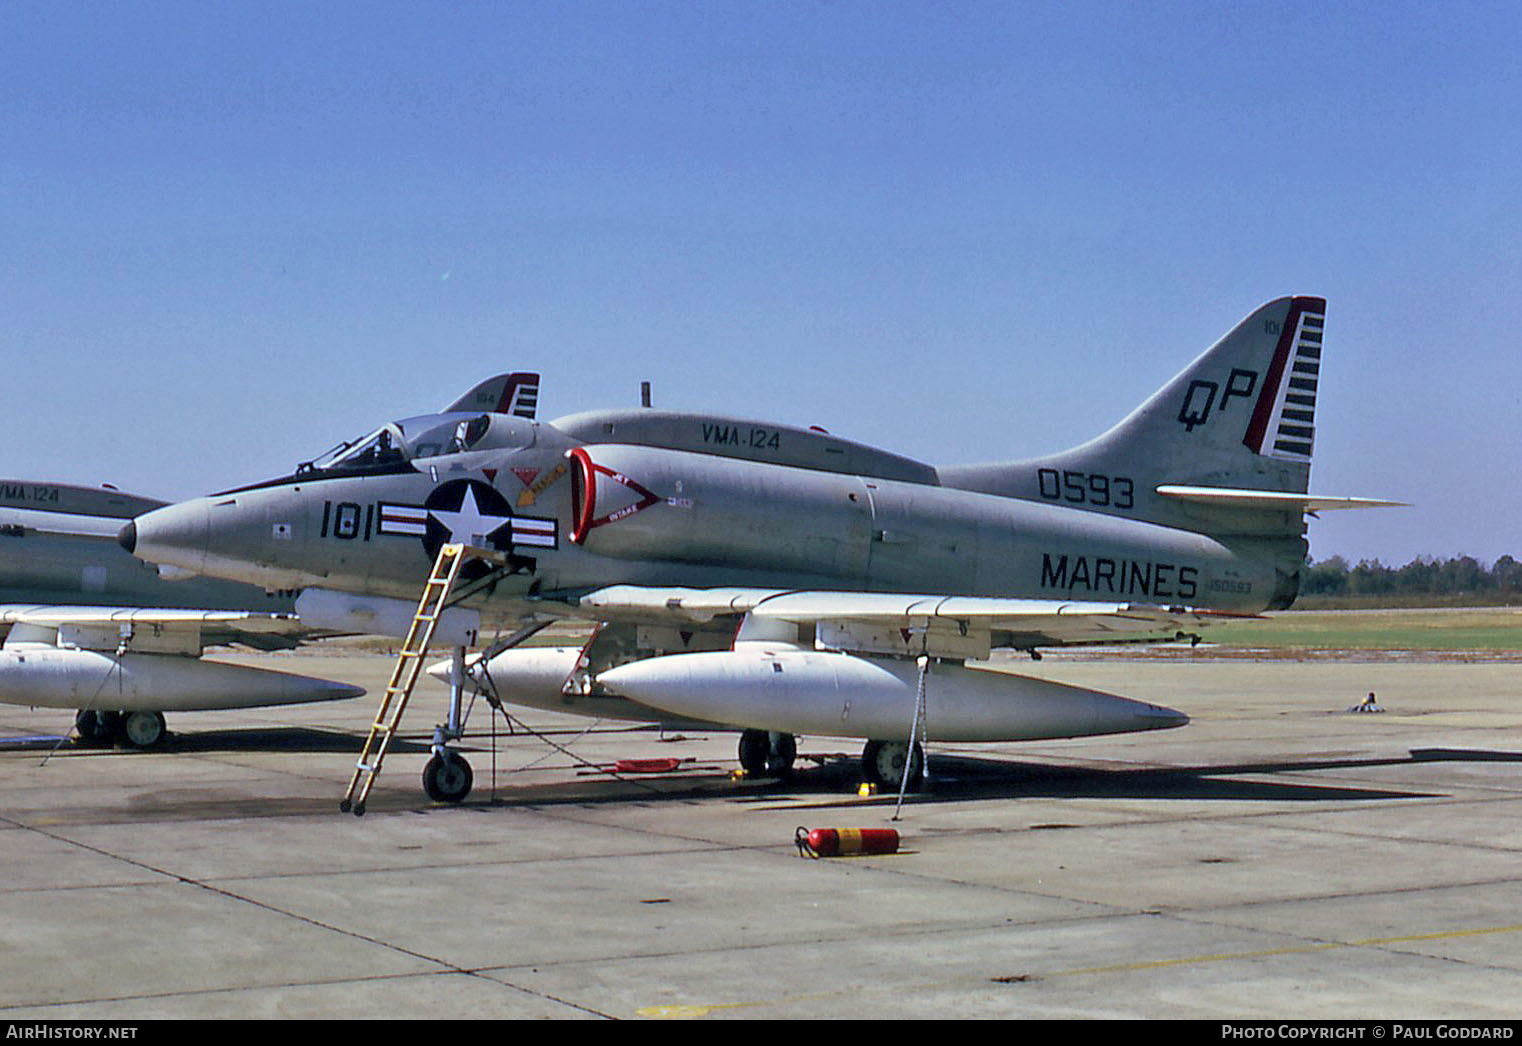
[1241,417]
[1283,422]
[516,394]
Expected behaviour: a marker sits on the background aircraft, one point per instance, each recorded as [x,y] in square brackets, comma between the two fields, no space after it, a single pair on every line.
[783,580]
[89,627]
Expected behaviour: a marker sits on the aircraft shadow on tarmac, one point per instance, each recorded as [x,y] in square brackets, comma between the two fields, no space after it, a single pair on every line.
[832,779]
[962,778]
[968,778]
[284,739]
[201,742]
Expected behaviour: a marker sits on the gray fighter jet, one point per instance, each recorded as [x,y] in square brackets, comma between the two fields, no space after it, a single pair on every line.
[782,580]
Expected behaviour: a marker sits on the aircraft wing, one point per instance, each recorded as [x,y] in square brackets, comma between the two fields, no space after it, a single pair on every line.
[674,605]
[160,630]
[908,624]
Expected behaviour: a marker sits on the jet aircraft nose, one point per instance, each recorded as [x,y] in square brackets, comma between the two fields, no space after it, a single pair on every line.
[175,535]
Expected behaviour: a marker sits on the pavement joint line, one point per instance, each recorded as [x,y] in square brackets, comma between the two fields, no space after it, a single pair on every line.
[1224,818]
[491,972]
[1305,949]
[1202,915]
[688,1010]
[887,867]
[944,927]
[446,966]
[883,866]
[826,940]
[713,847]
[481,975]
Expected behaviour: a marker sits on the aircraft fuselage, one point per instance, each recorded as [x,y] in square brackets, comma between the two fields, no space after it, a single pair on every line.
[581,516]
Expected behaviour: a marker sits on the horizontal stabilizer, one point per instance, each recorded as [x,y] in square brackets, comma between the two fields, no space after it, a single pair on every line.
[63,508]
[1271,499]
[70,499]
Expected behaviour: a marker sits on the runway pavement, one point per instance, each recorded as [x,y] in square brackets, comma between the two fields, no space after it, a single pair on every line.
[1278,858]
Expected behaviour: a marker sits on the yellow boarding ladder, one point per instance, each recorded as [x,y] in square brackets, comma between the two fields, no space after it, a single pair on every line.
[409,662]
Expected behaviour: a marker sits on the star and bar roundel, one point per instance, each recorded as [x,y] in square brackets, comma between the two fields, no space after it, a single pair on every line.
[468,512]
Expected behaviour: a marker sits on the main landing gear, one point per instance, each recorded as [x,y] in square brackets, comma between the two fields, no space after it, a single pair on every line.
[767,753]
[133,729]
[882,764]
[771,754]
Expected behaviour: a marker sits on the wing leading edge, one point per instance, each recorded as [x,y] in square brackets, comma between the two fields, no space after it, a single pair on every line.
[959,627]
[153,629]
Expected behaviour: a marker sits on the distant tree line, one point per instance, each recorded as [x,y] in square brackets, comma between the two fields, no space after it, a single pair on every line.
[1420,577]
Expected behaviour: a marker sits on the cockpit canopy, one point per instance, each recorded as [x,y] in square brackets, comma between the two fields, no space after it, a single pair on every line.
[398,443]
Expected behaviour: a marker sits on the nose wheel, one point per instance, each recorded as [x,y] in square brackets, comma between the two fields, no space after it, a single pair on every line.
[447,778]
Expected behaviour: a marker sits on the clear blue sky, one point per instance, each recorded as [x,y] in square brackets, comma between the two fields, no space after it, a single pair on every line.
[234,233]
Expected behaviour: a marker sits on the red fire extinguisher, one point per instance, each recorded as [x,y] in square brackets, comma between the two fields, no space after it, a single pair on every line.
[845,842]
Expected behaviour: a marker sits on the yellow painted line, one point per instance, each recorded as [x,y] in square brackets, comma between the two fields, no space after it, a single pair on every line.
[686,1011]
[680,1011]
[1371,942]
[674,1012]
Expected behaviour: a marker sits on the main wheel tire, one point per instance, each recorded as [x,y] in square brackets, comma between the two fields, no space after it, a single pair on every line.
[753,749]
[142,729]
[784,749]
[767,753]
[92,728]
[110,726]
[447,778]
[882,764]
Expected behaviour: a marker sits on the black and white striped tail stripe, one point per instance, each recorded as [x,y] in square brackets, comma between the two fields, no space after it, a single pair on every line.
[525,400]
[1295,422]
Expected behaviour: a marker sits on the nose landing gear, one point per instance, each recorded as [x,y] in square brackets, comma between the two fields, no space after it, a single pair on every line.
[447,778]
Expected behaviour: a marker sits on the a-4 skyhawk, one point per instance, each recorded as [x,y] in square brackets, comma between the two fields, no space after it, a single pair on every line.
[782,580]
